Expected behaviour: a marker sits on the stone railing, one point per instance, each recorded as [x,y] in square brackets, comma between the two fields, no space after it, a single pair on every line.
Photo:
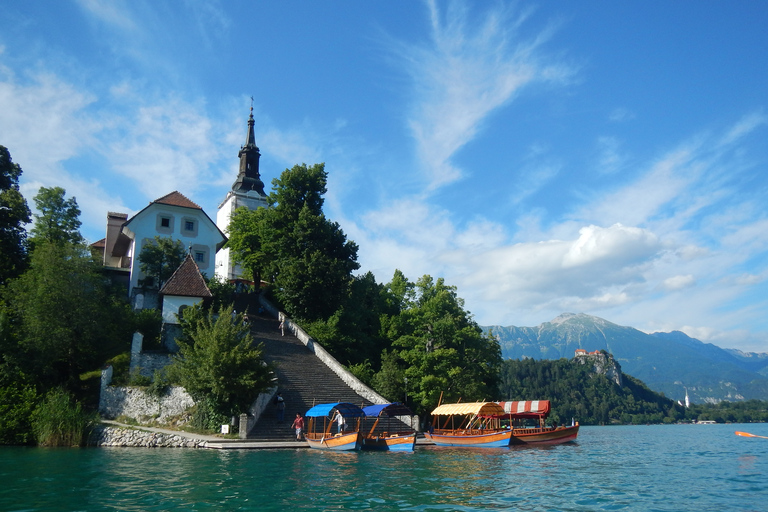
[349,379]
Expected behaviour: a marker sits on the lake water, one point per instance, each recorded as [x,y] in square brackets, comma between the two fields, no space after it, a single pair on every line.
[638,468]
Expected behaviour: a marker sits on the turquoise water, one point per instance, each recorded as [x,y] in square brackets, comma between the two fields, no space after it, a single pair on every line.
[645,468]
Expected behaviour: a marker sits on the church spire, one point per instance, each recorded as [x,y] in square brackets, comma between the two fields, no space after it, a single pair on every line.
[248,178]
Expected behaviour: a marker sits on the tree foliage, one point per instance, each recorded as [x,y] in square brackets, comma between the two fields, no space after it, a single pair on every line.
[67,317]
[217,362]
[436,347]
[575,391]
[159,259]
[14,214]
[293,245]
[59,219]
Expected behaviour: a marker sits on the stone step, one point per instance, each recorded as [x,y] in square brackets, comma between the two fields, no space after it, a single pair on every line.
[303,380]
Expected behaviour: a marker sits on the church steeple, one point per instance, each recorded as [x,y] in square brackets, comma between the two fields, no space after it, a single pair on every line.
[248,178]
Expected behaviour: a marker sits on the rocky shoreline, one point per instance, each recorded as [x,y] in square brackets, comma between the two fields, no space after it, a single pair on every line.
[104,435]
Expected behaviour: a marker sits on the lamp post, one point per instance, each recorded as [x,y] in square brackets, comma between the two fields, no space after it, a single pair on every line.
[406,389]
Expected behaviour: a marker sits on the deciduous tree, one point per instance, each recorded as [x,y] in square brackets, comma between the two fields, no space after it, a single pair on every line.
[69,321]
[440,349]
[218,363]
[293,244]
[14,214]
[160,259]
[59,219]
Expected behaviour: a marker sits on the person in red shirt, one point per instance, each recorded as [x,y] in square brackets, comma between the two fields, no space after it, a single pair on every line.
[298,424]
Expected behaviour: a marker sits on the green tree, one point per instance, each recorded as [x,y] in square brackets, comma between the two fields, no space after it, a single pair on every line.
[69,319]
[217,362]
[294,245]
[14,214]
[245,231]
[159,259]
[441,349]
[59,219]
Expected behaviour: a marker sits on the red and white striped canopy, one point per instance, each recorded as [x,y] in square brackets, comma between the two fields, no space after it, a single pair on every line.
[526,408]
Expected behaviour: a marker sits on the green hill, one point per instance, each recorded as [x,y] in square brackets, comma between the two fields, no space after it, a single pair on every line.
[669,363]
[580,392]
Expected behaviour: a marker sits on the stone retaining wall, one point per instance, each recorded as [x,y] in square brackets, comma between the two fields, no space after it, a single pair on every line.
[138,404]
[115,436]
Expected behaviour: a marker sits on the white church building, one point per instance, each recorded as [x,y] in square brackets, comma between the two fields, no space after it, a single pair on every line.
[176,216]
[248,191]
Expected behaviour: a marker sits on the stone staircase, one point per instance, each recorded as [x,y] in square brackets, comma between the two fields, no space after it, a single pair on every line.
[303,379]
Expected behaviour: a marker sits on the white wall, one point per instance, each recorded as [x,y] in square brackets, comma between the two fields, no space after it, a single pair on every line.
[145,225]
[225,267]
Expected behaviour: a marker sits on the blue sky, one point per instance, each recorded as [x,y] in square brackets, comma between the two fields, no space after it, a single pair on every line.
[600,157]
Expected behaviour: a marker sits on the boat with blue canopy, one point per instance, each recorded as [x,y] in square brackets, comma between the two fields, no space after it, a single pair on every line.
[321,420]
[385,439]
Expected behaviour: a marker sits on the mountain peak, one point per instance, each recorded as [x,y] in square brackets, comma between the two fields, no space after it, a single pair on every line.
[578,318]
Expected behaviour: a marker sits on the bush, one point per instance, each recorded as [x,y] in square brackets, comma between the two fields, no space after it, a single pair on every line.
[121,365]
[149,323]
[16,405]
[60,421]
[205,418]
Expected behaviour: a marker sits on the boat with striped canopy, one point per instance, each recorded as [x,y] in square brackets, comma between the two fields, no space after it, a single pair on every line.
[387,439]
[473,424]
[520,413]
[319,435]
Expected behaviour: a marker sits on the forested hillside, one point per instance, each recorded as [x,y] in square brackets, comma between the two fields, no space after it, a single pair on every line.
[576,392]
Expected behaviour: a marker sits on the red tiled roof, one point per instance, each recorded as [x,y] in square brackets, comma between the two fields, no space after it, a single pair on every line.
[177,199]
[186,281]
[100,244]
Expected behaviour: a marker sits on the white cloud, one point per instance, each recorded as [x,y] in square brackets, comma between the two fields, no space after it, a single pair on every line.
[469,70]
[610,158]
[678,282]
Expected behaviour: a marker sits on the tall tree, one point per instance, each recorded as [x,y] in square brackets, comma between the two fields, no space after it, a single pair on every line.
[69,321]
[245,232]
[160,259]
[293,244]
[440,348]
[59,219]
[14,214]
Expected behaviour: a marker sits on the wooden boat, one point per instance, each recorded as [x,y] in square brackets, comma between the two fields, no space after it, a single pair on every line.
[387,440]
[475,424]
[321,437]
[538,410]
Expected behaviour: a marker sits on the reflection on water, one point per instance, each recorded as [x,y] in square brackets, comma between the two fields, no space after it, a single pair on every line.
[665,468]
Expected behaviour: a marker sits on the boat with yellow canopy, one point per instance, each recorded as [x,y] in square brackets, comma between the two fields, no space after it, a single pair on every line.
[474,424]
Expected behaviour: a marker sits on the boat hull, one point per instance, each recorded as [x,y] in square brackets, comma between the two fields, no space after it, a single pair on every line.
[397,443]
[498,439]
[545,436]
[340,442]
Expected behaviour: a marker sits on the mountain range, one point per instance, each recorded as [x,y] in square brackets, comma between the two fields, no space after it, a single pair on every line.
[668,362]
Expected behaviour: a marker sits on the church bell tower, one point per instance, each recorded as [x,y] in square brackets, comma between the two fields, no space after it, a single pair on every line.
[248,191]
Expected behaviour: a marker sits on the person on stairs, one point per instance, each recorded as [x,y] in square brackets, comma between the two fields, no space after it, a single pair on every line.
[280,403]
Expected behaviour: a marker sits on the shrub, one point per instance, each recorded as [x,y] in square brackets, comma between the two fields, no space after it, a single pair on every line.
[59,420]
[121,365]
[16,405]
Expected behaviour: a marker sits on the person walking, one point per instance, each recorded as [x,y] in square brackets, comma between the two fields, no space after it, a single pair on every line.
[280,402]
[298,425]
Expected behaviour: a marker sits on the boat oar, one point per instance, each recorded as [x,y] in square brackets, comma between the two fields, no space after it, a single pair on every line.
[747,434]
